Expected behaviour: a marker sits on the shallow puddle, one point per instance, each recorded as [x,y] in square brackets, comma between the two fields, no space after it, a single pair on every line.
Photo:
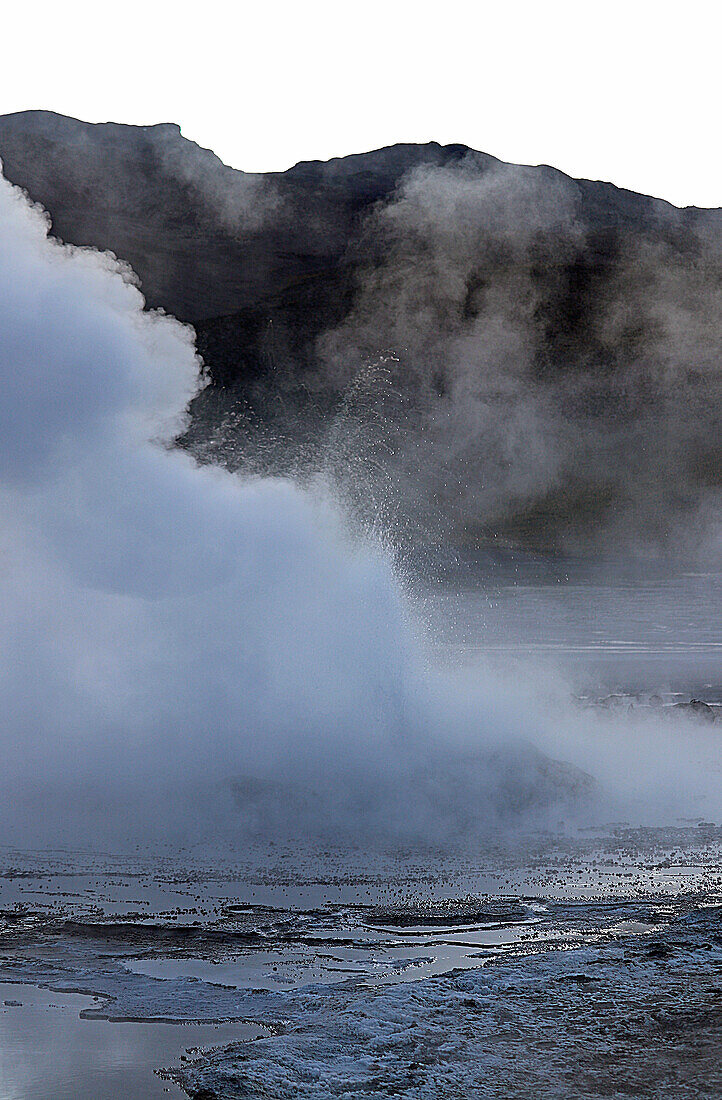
[380,955]
[47,1050]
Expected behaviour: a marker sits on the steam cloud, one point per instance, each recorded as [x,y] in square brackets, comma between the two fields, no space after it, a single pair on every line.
[189,652]
[561,380]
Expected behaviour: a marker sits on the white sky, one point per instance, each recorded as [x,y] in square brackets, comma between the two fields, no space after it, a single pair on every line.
[628,92]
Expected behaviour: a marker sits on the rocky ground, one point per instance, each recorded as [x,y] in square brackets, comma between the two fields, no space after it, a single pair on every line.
[579,966]
[631,1015]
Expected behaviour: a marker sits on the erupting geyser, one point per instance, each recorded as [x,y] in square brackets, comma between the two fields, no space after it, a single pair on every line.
[187,651]
[163,625]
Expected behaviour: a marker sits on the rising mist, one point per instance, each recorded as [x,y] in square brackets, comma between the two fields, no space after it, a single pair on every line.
[191,653]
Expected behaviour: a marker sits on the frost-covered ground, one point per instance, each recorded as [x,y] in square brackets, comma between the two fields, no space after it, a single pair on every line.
[580,966]
[627,1015]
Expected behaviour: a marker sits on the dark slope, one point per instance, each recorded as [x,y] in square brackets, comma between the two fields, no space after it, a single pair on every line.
[554,343]
[177,215]
[175,212]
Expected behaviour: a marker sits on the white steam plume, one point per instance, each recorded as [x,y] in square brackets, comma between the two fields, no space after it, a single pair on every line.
[186,652]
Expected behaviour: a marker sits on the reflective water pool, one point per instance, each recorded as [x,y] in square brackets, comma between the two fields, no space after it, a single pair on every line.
[48,1051]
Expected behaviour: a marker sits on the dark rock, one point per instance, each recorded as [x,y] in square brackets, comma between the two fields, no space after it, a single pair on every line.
[697,709]
[659,950]
[448,913]
[527,781]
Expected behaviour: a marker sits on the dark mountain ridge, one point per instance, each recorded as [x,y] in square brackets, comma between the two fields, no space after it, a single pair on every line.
[553,343]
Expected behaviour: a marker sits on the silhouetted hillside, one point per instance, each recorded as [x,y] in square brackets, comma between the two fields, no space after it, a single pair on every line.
[519,357]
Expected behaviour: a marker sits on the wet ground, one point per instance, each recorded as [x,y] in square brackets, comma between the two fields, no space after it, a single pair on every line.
[114,969]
